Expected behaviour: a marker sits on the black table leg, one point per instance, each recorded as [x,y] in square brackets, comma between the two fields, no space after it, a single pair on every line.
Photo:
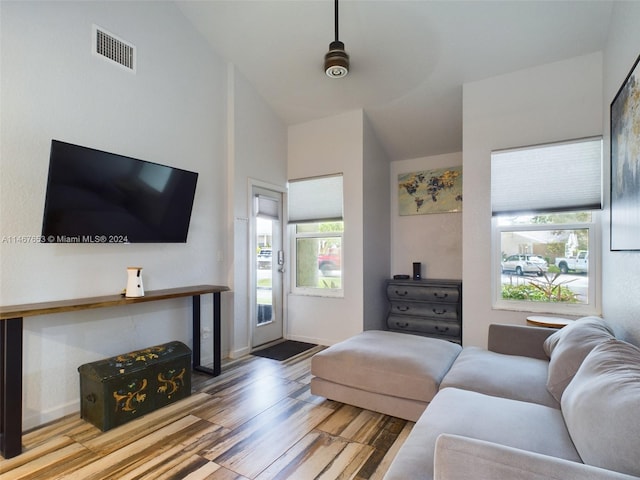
[11,387]
[197,354]
[217,334]
[217,344]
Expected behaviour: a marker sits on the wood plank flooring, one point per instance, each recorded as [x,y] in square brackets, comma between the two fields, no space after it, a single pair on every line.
[258,421]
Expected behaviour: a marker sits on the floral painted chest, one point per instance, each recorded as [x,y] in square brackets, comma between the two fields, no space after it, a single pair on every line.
[118,389]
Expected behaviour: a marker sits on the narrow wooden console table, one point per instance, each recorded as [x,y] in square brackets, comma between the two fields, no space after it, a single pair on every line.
[11,346]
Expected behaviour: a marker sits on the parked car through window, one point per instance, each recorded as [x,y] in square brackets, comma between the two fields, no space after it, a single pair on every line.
[525,263]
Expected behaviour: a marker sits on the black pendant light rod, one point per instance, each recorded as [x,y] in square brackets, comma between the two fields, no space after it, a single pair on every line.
[336,14]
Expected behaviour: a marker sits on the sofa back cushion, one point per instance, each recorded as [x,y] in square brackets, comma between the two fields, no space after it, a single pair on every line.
[601,408]
[568,347]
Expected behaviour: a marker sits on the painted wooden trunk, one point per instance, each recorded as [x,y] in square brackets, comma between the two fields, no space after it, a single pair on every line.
[118,389]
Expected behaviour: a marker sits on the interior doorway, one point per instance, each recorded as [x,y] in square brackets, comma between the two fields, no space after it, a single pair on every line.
[268,266]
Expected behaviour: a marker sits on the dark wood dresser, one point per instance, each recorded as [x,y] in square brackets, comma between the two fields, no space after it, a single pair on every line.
[427,307]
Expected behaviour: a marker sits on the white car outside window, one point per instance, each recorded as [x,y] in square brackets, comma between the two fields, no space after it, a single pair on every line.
[525,263]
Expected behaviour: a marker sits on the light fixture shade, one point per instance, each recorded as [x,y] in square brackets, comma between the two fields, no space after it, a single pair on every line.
[336,61]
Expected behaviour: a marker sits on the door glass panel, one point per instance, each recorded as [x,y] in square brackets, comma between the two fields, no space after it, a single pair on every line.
[264,271]
[268,267]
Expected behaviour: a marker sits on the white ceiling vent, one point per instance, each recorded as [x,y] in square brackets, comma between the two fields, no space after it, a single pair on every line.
[108,46]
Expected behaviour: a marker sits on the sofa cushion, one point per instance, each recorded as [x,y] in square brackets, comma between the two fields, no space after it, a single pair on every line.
[568,347]
[580,326]
[391,363]
[464,458]
[601,407]
[507,376]
[528,426]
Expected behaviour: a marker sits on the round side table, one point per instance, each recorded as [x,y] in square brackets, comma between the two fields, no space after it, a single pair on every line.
[549,322]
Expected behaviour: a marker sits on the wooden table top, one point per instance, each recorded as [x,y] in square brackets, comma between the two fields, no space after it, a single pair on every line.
[59,306]
[550,322]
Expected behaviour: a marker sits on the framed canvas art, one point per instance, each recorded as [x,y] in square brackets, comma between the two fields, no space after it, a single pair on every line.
[625,164]
[430,191]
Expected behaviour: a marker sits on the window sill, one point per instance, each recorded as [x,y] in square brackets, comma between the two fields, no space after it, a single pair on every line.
[323,294]
[547,308]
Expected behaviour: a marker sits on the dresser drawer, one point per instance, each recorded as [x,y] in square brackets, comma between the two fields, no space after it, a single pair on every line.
[425,293]
[423,325]
[445,311]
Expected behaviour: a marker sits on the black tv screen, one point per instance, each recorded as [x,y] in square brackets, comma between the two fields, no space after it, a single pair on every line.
[99,197]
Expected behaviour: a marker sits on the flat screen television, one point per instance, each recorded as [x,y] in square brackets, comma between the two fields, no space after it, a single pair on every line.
[99,197]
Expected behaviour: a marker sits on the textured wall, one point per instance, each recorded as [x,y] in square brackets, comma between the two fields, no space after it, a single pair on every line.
[552,102]
[620,270]
[171,111]
[435,240]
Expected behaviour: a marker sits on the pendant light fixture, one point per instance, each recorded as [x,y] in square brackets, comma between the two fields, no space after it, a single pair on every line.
[336,61]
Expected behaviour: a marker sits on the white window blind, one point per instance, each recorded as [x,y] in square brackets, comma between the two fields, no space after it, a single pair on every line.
[266,207]
[547,178]
[315,199]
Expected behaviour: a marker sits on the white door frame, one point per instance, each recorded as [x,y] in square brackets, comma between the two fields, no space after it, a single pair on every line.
[253,183]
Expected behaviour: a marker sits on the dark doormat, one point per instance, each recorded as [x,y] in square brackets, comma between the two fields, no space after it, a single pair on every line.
[284,350]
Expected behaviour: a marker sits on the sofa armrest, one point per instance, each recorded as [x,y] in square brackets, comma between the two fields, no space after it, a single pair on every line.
[462,458]
[518,340]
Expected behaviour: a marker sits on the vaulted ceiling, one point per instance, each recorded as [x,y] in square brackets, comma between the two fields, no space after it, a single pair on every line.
[409,59]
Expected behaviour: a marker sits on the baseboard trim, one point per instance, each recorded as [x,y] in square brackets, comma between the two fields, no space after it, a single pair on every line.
[240,352]
[34,419]
[318,341]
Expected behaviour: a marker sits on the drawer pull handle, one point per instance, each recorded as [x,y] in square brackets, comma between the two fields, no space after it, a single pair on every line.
[402,308]
[91,398]
[439,312]
[440,329]
[441,297]
[402,325]
[402,294]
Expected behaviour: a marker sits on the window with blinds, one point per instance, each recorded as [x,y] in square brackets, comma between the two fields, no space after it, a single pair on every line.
[317,228]
[547,178]
[315,199]
[545,203]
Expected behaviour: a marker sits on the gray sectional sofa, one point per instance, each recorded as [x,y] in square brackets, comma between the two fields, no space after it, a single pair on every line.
[538,404]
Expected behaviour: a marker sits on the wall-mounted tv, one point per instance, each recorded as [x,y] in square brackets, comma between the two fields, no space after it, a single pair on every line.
[99,197]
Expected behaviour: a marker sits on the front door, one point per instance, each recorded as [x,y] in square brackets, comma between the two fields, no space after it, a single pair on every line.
[268,266]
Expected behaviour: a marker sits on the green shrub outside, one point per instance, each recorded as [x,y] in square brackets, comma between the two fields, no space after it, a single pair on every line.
[535,294]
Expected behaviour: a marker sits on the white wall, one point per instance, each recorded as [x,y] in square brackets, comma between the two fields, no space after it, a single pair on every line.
[258,151]
[322,147]
[548,103]
[377,230]
[174,110]
[621,270]
[434,240]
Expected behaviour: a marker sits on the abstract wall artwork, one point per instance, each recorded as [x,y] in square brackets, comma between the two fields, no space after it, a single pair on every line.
[430,191]
[625,164]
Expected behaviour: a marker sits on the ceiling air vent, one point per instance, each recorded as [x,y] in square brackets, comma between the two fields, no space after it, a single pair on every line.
[108,46]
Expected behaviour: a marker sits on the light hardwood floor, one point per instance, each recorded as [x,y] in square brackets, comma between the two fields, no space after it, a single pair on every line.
[257,420]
